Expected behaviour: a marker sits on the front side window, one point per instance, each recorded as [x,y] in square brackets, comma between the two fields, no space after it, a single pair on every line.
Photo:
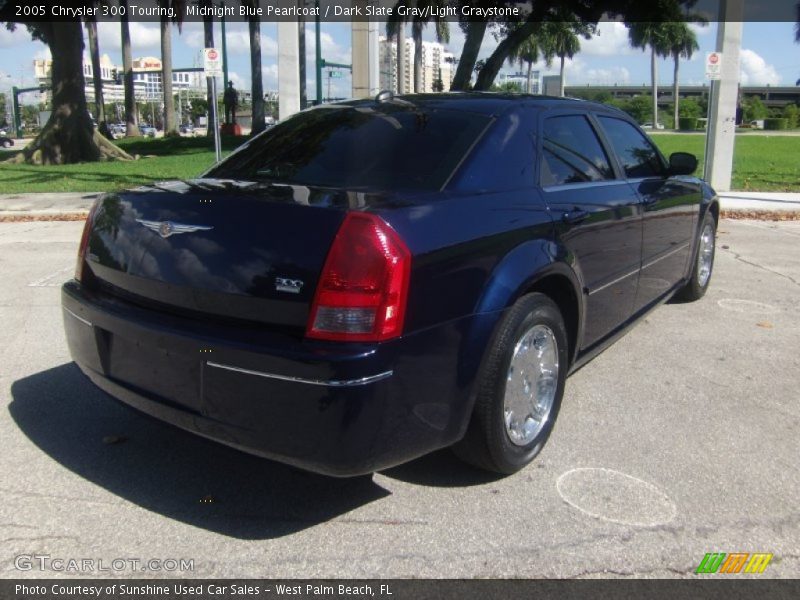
[384,147]
[571,152]
[637,154]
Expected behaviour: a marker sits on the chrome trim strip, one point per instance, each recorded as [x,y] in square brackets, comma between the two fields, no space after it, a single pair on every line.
[81,319]
[328,383]
[610,283]
[663,256]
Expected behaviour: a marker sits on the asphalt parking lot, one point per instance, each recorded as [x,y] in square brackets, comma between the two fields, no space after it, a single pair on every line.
[681,439]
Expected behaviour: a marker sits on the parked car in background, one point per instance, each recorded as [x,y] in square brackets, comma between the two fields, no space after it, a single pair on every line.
[186,128]
[6,142]
[147,130]
[649,125]
[369,281]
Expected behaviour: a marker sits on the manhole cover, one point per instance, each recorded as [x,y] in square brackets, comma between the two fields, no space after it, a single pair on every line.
[746,306]
[614,496]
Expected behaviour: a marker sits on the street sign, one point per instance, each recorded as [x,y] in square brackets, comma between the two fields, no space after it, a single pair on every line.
[212,62]
[714,65]
[335,74]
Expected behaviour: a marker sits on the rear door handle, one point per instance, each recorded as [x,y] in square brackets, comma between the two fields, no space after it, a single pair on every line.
[574,216]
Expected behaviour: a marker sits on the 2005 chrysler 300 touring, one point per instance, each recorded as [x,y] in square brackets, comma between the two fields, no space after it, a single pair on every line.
[370,281]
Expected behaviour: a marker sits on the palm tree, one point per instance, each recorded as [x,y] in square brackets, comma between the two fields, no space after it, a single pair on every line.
[526,54]
[170,125]
[682,44]
[97,75]
[417,26]
[257,84]
[560,38]
[651,35]
[131,120]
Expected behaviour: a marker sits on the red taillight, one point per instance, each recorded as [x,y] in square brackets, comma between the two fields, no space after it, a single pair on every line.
[87,229]
[361,295]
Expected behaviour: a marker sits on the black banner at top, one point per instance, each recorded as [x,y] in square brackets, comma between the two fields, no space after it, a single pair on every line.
[383,10]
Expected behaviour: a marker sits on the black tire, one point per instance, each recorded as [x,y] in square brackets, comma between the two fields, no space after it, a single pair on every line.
[8,144]
[696,288]
[487,443]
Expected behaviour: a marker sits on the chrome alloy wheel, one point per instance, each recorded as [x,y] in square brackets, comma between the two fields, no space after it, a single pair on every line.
[531,385]
[705,255]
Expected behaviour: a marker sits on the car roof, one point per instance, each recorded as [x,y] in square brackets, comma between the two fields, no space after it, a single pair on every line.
[489,103]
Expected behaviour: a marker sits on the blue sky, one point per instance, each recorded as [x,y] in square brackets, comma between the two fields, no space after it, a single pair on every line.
[769,54]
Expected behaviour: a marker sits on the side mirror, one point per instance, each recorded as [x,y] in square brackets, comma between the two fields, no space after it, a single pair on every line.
[682,163]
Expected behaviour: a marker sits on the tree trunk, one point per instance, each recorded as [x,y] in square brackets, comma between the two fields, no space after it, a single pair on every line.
[131,120]
[401,58]
[504,49]
[170,127]
[469,55]
[561,82]
[97,76]
[654,78]
[416,32]
[530,67]
[675,88]
[208,34]
[257,91]
[68,136]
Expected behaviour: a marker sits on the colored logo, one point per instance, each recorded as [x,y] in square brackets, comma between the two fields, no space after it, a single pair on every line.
[735,562]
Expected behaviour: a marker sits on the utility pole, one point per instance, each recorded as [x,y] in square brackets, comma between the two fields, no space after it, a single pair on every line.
[722,122]
[288,69]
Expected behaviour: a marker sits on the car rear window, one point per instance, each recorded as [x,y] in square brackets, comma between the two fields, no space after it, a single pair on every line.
[386,146]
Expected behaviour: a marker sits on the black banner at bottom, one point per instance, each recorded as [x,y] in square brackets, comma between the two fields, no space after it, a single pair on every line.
[394,589]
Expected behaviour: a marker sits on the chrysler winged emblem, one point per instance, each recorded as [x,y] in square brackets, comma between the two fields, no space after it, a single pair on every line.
[168,228]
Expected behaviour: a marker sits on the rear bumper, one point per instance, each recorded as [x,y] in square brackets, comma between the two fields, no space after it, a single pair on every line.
[338,409]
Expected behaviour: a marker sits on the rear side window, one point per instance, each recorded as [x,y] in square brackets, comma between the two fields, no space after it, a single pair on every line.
[571,152]
[637,154]
[386,146]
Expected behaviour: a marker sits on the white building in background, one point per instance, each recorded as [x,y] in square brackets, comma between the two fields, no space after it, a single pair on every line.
[521,78]
[146,80]
[437,64]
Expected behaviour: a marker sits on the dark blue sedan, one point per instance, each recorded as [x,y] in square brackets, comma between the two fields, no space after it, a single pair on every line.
[369,281]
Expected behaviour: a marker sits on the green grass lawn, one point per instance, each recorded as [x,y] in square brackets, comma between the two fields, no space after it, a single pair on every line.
[761,163]
[161,159]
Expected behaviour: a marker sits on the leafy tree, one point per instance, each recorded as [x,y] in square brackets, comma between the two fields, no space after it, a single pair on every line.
[508,87]
[682,43]
[68,136]
[754,109]
[639,107]
[690,108]
[652,35]
[583,11]
[792,114]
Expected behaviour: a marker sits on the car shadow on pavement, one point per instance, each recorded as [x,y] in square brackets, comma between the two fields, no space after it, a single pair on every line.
[171,472]
[441,469]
